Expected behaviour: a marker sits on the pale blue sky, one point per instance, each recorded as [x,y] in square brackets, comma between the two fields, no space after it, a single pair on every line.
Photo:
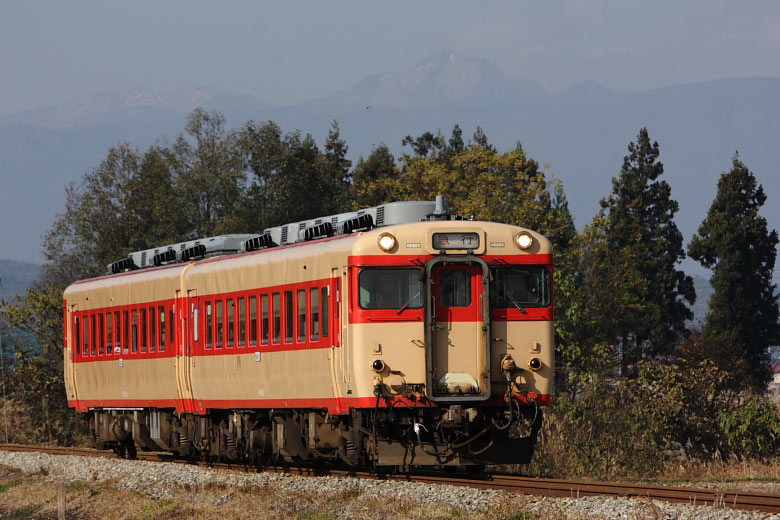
[285,52]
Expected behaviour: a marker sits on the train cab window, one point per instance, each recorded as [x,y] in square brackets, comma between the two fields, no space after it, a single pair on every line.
[231,313]
[117,332]
[152,330]
[325,312]
[253,320]
[301,314]
[241,322]
[77,336]
[93,339]
[264,318]
[171,327]
[520,287]
[315,313]
[275,304]
[109,332]
[289,316]
[209,326]
[381,288]
[86,335]
[219,324]
[161,314]
[101,334]
[126,326]
[455,288]
[134,332]
[143,330]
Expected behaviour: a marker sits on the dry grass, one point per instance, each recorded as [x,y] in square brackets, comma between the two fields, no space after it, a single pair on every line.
[749,475]
[32,496]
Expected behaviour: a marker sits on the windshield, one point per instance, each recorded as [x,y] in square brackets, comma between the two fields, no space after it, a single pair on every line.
[522,286]
[381,288]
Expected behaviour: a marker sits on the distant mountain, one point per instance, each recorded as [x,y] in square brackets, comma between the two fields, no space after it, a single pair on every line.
[16,277]
[129,104]
[445,80]
[581,133]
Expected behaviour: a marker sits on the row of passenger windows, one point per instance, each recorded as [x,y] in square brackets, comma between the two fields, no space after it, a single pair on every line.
[293,315]
[134,330]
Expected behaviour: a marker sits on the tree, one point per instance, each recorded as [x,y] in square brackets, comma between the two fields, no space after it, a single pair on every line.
[635,247]
[375,179]
[334,173]
[210,174]
[733,241]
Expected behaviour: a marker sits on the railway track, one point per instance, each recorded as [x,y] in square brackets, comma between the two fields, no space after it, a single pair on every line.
[763,502]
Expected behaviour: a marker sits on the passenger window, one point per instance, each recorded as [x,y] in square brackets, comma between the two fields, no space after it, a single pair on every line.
[219,324]
[126,325]
[161,312]
[241,322]
[101,334]
[77,336]
[86,335]
[253,320]
[93,339]
[143,330]
[152,330]
[109,332]
[209,326]
[118,332]
[171,327]
[264,311]
[135,332]
[195,324]
[301,314]
[277,316]
[325,312]
[315,313]
[288,314]
[231,331]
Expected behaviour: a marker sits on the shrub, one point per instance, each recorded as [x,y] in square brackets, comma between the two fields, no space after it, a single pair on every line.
[752,430]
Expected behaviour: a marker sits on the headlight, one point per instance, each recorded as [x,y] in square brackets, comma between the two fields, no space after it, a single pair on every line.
[523,240]
[386,242]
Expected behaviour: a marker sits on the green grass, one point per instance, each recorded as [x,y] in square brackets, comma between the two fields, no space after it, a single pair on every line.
[5,486]
[153,509]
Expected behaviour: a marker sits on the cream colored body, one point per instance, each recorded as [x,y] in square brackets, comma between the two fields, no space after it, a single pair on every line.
[315,377]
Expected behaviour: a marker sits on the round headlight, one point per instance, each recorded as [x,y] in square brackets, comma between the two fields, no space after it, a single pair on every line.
[386,242]
[524,240]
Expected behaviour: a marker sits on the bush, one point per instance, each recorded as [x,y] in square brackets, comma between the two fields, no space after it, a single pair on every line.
[752,429]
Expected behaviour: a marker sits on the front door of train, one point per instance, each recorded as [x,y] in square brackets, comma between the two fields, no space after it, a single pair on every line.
[458,324]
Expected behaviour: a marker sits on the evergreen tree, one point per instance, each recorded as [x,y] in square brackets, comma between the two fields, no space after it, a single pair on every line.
[335,175]
[733,241]
[635,247]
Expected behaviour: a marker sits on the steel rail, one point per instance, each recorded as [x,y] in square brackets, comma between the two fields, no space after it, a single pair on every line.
[750,501]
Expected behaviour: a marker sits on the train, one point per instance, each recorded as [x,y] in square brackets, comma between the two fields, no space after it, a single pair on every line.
[395,337]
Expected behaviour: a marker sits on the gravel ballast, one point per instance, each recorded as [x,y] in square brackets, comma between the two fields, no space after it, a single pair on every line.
[163,480]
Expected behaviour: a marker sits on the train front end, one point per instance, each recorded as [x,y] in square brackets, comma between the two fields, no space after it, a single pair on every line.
[450,326]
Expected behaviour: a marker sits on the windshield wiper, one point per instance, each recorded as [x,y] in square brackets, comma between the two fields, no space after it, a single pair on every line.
[405,305]
[515,302]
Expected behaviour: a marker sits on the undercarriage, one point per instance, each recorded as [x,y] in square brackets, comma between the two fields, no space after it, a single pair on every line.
[399,437]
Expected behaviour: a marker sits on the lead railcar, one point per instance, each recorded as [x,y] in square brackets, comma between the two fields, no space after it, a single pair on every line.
[396,336]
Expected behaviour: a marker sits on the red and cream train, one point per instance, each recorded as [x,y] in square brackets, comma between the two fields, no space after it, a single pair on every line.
[395,336]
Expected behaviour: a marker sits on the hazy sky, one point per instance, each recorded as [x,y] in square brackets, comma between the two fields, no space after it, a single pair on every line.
[284,52]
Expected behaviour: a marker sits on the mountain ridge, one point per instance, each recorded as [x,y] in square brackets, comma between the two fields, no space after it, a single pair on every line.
[581,132]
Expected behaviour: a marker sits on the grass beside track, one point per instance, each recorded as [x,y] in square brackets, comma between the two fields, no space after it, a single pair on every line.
[34,496]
